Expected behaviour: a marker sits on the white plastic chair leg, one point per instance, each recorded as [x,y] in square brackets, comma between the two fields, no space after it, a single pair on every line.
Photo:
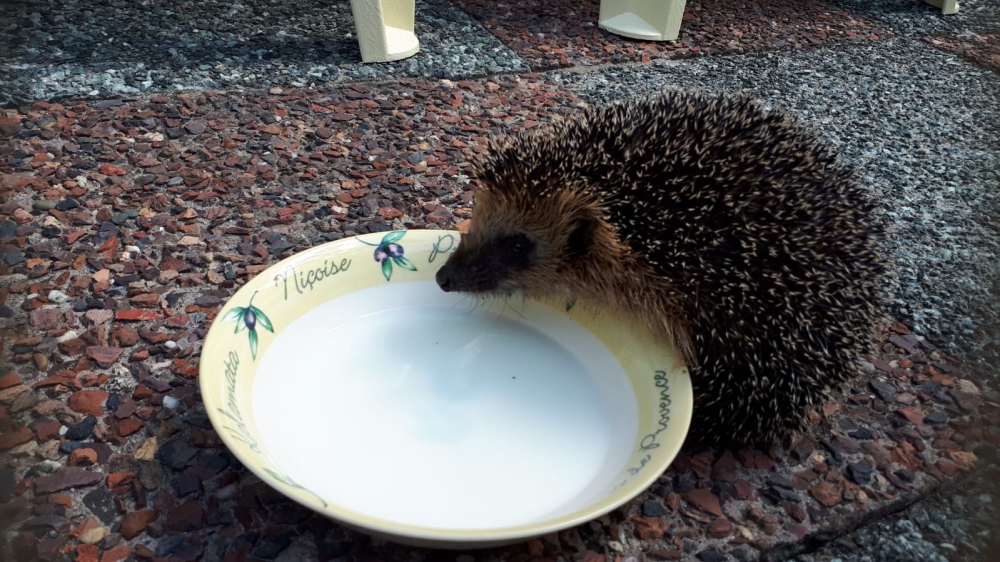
[385,29]
[649,20]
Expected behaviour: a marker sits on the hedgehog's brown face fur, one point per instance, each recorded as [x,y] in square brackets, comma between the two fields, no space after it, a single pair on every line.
[518,247]
[540,228]
[557,245]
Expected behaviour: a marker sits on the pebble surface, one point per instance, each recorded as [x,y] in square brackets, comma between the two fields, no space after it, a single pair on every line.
[980,17]
[53,50]
[128,219]
[552,33]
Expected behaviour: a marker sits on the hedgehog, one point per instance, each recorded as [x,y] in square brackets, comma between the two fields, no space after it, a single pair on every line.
[726,228]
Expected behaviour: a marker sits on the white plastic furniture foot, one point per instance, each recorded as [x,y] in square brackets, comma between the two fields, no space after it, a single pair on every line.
[947,6]
[385,29]
[650,20]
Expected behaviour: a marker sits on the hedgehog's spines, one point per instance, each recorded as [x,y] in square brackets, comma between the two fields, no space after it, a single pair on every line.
[754,231]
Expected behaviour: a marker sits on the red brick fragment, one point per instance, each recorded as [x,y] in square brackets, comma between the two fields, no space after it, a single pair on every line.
[117,554]
[705,500]
[129,426]
[390,212]
[8,380]
[826,494]
[88,401]
[186,517]
[116,479]
[755,460]
[104,356]
[83,457]
[913,415]
[178,321]
[136,522]
[649,529]
[947,467]
[964,459]
[73,347]
[47,430]
[141,391]
[720,528]
[11,439]
[124,336]
[111,170]
[62,499]
[179,367]
[87,553]
[136,315]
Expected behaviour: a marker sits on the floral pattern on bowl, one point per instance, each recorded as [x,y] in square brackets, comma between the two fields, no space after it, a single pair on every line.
[287,289]
[389,252]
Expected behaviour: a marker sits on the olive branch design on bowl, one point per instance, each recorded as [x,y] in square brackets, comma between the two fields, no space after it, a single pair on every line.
[388,252]
[286,480]
[247,318]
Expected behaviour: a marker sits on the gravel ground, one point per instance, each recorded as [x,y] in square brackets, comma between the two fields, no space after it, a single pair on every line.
[922,127]
[174,200]
[124,226]
[933,530]
[555,33]
[915,17]
[55,49]
[983,50]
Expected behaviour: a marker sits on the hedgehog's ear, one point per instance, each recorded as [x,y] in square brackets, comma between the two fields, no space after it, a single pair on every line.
[581,236]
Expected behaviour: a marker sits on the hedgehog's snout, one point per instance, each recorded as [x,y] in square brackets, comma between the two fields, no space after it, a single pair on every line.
[456,277]
[445,278]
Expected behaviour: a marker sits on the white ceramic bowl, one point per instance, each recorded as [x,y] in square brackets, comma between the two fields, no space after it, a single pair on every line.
[345,378]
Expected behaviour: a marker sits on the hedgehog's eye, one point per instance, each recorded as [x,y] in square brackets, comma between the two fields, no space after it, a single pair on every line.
[516,248]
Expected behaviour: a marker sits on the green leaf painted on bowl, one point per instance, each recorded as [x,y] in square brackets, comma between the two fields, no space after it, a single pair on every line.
[234,314]
[404,263]
[394,236]
[289,482]
[389,238]
[263,319]
[248,318]
[384,251]
[253,343]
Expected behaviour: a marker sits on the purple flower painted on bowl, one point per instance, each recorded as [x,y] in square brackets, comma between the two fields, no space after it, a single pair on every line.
[386,251]
[395,250]
[246,318]
[389,253]
[250,318]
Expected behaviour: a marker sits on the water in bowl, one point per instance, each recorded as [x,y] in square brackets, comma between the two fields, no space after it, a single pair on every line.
[407,404]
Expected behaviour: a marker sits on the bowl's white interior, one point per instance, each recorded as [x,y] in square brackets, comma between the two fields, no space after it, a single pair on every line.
[409,404]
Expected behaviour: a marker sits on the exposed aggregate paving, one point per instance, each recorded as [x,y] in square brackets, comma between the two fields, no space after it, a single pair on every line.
[552,33]
[126,222]
[92,48]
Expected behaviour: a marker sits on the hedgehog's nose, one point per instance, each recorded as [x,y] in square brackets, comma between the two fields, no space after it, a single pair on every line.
[445,279]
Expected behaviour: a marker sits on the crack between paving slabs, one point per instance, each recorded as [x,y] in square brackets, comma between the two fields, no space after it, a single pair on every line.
[788,550]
